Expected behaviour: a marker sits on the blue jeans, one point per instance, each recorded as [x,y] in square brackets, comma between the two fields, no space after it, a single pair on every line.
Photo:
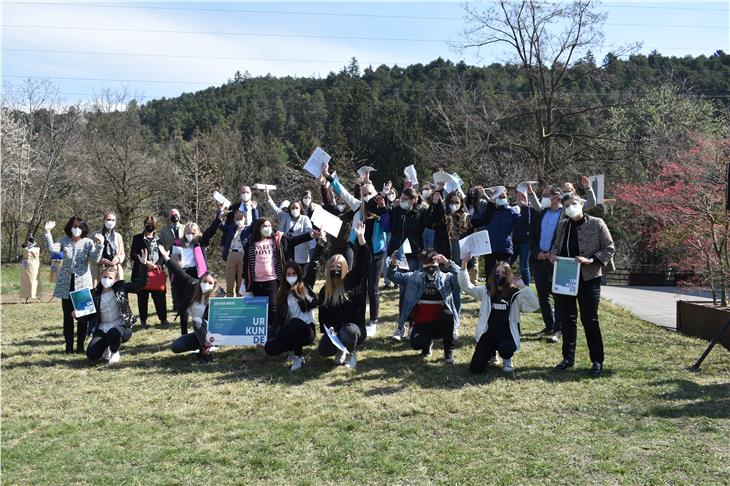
[522,250]
[428,237]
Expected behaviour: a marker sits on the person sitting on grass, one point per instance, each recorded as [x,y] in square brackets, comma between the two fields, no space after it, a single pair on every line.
[428,301]
[111,324]
[195,296]
[501,301]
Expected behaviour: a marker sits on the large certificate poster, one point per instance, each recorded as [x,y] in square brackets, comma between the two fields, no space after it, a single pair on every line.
[565,276]
[238,321]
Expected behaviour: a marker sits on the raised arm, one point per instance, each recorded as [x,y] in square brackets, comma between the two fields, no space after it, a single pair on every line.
[465,283]
[139,283]
[175,269]
[359,271]
[340,190]
[47,236]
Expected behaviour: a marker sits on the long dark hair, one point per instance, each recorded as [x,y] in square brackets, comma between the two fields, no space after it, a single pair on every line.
[198,295]
[457,224]
[298,289]
[508,289]
[256,232]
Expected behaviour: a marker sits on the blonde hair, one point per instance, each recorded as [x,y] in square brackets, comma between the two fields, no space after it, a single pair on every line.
[195,230]
[334,292]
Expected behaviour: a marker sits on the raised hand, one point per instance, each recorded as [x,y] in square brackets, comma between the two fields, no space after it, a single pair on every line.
[517,282]
[315,234]
[408,183]
[325,169]
[99,239]
[380,201]
[585,182]
[142,257]
[440,259]
[394,259]
[49,225]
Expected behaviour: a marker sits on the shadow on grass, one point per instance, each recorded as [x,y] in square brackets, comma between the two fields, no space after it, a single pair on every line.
[690,399]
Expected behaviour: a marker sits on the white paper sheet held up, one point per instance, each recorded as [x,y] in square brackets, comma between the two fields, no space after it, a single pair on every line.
[406,247]
[475,244]
[326,221]
[318,158]
[263,187]
[410,173]
[335,339]
[221,199]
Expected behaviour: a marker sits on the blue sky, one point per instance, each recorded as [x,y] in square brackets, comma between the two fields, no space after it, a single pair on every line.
[157,49]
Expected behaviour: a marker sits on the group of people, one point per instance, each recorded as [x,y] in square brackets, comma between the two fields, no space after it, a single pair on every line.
[280,258]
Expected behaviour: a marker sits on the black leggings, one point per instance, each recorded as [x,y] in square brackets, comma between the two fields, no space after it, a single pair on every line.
[158,297]
[292,336]
[376,268]
[350,334]
[486,348]
[112,339]
[68,327]
[267,289]
[443,327]
[177,289]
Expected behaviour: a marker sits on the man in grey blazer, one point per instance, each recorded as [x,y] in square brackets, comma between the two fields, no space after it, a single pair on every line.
[173,231]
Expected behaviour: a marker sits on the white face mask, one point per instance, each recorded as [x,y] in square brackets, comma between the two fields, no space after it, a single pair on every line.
[405,205]
[368,197]
[292,279]
[574,211]
[266,231]
[501,202]
[206,287]
[294,213]
[240,223]
[246,196]
[341,207]
[107,282]
[454,207]
[76,232]
[110,224]
[306,200]
[546,202]
[188,237]
[391,197]
[426,193]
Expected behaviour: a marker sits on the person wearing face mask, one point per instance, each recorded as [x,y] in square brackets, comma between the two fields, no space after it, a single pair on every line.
[263,262]
[429,302]
[236,231]
[586,191]
[74,273]
[480,213]
[342,302]
[149,242]
[339,245]
[173,231]
[501,300]
[29,283]
[194,299]
[294,325]
[589,242]
[541,241]
[500,229]
[113,253]
[426,204]
[521,235]
[369,210]
[293,223]
[111,324]
[390,201]
[190,254]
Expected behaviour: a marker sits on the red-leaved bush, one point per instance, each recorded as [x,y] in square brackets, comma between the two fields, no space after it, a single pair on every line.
[682,214]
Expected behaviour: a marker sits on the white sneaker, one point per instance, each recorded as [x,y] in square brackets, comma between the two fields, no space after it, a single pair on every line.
[107,354]
[555,337]
[290,358]
[298,362]
[351,362]
[114,358]
[340,357]
[427,352]
[371,329]
[493,361]
[397,335]
[507,365]
[214,348]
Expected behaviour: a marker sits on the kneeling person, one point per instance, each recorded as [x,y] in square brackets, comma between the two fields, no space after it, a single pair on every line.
[498,329]
[429,302]
[111,324]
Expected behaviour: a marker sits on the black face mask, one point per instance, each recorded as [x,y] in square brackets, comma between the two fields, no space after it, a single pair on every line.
[174,219]
[501,280]
[334,273]
[149,228]
[430,271]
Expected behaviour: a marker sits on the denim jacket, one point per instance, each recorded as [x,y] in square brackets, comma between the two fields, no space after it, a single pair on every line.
[415,282]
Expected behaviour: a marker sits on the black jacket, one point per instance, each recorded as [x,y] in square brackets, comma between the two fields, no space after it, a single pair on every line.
[305,304]
[408,224]
[139,243]
[120,289]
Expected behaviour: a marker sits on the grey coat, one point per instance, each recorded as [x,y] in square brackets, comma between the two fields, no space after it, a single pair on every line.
[76,256]
[594,241]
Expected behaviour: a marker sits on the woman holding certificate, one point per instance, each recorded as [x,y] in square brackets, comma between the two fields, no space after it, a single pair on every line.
[342,303]
[75,272]
[586,241]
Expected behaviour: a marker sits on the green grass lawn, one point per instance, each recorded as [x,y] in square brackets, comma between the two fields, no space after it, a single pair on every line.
[157,418]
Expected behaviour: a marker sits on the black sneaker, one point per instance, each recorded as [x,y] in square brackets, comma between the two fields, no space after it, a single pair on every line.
[143,325]
[205,358]
[164,325]
[596,369]
[425,352]
[449,356]
[564,365]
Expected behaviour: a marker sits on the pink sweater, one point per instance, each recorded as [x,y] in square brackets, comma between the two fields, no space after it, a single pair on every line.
[264,270]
